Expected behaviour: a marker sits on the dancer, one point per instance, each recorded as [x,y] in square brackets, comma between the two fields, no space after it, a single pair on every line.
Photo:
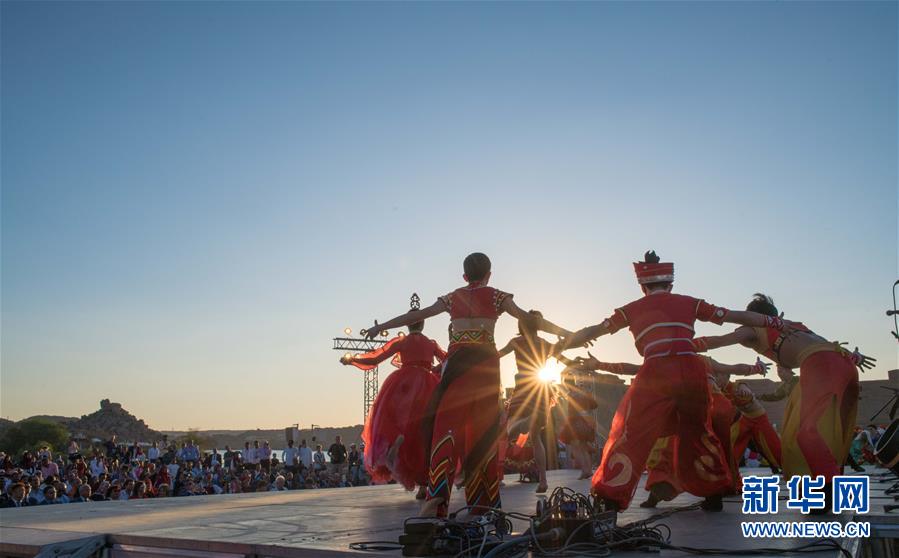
[788,381]
[465,409]
[394,445]
[662,483]
[753,423]
[669,395]
[820,414]
[579,429]
[532,398]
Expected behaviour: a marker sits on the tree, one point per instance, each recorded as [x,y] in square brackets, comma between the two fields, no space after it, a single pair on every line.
[32,433]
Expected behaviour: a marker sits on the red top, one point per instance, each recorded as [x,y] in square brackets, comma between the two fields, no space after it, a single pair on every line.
[662,322]
[414,349]
[474,302]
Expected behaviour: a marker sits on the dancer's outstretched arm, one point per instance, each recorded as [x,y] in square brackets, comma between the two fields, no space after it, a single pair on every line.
[740,336]
[371,359]
[582,336]
[564,360]
[510,346]
[542,324]
[741,369]
[406,319]
[623,368]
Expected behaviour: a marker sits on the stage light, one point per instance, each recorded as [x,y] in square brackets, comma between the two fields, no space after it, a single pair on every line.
[348,331]
[347,356]
[385,333]
[401,334]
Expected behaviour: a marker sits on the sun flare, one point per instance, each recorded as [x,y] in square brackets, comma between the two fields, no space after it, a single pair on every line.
[551,373]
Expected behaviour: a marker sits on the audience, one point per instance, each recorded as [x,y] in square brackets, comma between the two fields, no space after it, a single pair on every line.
[116,471]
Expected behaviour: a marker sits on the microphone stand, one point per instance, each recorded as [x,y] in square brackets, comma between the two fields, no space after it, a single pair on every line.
[894,312]
[893,401]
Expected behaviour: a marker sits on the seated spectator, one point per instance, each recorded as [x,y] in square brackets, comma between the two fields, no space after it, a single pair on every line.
[50,496]
[162,491]
[139,491]
[84,494]
[97,465]
[234,487]
[279,484]
[138,455]
[61,492]
[34,491]
[49,468]
[16,496]
[27,463]
[127,489]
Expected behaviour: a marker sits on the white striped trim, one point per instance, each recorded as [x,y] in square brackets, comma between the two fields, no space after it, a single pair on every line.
[672,340]
[656,279]
[664,324]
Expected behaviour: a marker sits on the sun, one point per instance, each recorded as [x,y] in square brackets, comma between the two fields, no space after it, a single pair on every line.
[551,373]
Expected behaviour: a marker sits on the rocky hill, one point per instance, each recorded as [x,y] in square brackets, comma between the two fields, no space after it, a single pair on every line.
[112,419]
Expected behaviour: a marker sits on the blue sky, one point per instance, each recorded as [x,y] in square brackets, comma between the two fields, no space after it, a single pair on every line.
[196,197]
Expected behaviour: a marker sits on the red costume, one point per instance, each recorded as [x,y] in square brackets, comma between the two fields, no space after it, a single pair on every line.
[399,407]
[820,414]
[519,455]
[669,395]
[661,459]
[465,407]
[753,424]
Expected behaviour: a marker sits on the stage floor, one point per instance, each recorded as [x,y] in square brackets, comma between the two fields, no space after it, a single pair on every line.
[324,522]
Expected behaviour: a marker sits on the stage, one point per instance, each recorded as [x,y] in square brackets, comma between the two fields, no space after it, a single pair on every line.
[324,522]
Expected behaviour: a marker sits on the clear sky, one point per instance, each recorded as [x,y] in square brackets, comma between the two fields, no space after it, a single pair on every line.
[196,197]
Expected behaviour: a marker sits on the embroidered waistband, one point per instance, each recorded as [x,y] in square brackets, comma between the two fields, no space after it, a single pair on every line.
[471,336]
[819,348]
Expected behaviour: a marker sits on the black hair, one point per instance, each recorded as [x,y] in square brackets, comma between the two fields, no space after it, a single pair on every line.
[417,326]
[763,304]
[529,325]
[476,266]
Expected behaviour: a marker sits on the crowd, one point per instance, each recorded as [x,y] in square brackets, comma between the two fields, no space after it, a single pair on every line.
[114,471]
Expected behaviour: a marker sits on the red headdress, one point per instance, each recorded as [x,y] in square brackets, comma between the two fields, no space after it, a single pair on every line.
[651,270]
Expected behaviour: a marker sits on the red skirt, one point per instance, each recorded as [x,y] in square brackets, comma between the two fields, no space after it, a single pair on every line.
[398,410]
[519,458]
